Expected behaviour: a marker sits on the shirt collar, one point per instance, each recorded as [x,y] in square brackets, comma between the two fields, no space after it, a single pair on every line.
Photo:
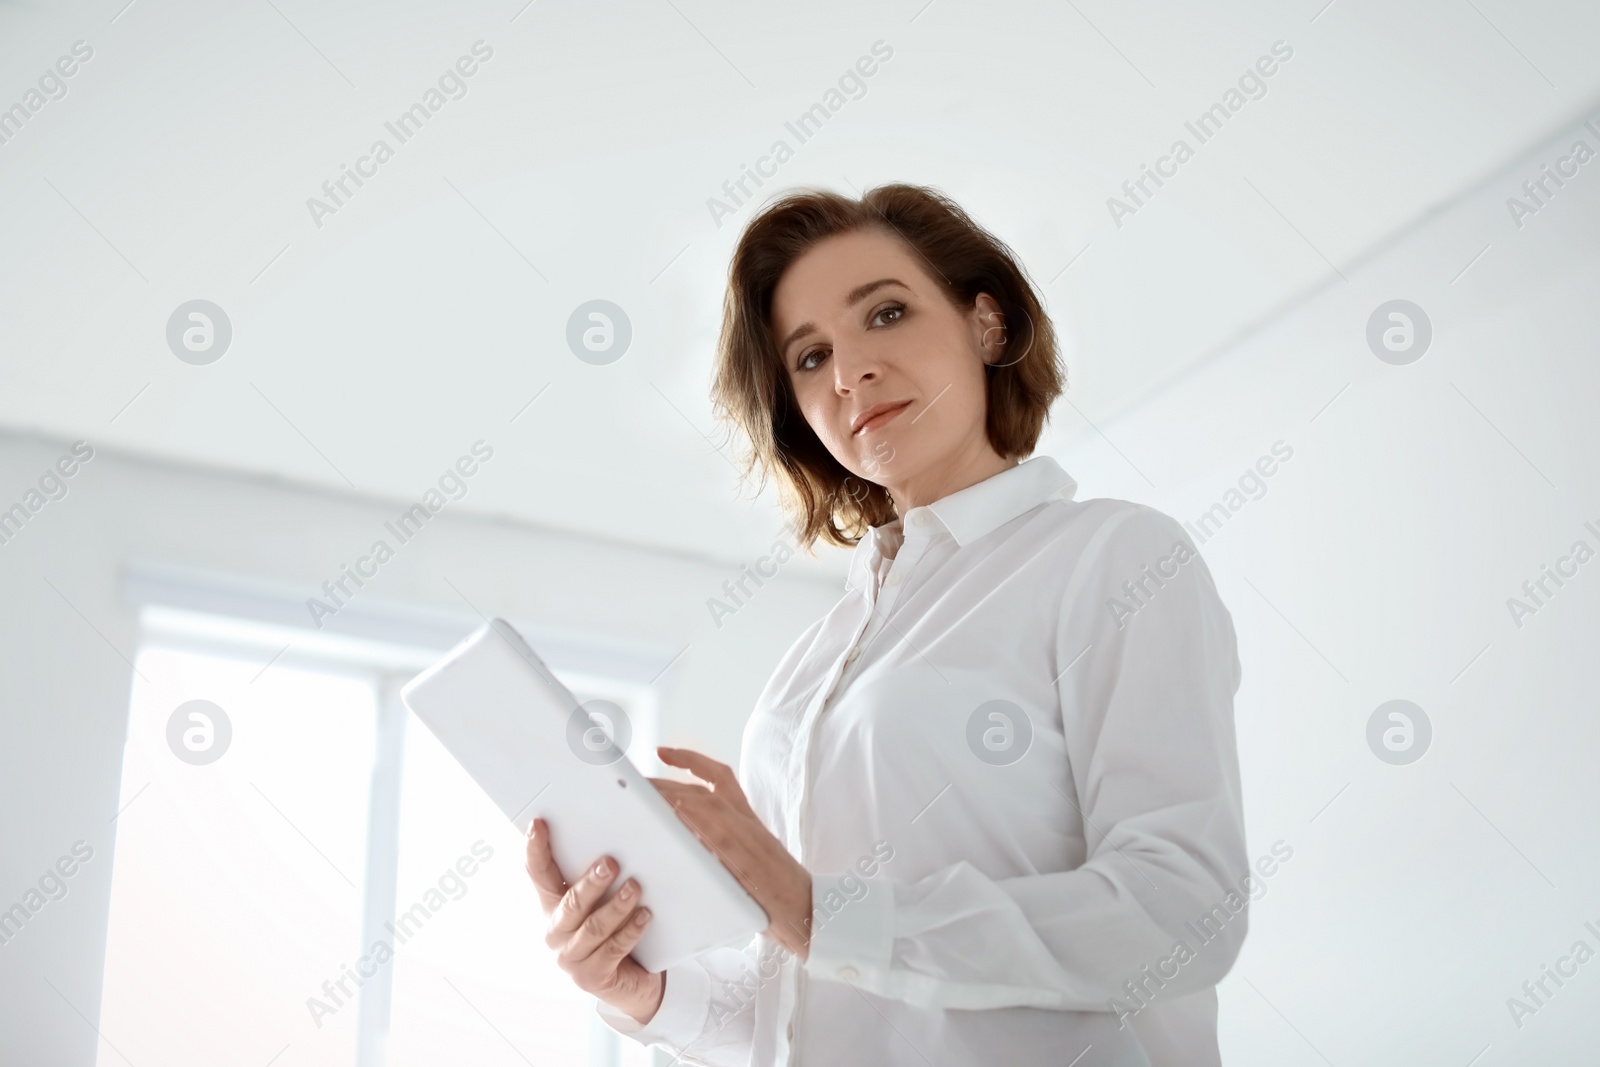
[969,513]
[976,510]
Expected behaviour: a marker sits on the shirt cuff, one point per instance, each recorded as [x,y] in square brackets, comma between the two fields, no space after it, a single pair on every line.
[681,1017]
[852,929]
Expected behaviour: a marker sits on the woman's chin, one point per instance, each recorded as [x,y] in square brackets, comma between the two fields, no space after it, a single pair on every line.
[883,463]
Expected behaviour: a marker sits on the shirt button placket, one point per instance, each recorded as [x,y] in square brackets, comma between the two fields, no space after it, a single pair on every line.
[800,783]
[800,767]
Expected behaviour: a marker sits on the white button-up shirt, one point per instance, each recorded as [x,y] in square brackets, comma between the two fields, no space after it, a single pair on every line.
[1007,757]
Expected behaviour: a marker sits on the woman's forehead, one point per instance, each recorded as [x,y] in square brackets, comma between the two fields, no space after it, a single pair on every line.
[831,275]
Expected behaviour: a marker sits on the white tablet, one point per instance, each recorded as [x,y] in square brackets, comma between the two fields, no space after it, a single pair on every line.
[538,753]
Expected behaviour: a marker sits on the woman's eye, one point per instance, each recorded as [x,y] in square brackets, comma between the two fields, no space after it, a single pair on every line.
[806,363]
[896,310]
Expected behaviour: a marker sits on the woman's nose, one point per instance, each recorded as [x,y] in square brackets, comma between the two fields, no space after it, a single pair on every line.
[852,368]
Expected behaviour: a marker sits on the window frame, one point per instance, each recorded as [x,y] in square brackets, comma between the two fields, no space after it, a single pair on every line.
[384,647]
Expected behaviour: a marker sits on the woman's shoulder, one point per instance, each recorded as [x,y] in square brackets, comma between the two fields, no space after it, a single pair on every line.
[1108,527]
[1127,551]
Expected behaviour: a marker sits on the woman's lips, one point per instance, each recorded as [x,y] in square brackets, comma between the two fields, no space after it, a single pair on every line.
[882,419]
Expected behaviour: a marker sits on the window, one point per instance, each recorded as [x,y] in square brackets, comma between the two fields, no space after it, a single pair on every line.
[249,893]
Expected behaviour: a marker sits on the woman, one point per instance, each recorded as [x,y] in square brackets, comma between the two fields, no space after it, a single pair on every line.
[991,800]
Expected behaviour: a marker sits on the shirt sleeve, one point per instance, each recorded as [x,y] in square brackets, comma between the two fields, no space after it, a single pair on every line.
[1159,906]
[707,1012]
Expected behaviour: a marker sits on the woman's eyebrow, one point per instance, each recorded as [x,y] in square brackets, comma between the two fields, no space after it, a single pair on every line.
[861,292]
[853,297]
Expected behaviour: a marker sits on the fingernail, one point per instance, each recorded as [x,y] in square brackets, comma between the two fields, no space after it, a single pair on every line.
[602,867]
[628,888]
[644,917]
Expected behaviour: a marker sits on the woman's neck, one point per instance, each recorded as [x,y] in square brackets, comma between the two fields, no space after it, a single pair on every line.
[945,478]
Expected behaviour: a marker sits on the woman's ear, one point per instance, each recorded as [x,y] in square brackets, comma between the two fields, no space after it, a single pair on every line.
[989,328]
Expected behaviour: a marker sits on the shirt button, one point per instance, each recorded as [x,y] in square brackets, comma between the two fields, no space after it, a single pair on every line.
[895,578]
[790,1032]
[849,973]
[921,518]
[855,654]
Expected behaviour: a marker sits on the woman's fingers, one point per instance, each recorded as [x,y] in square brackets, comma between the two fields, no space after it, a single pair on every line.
[702,767]
[677,791]
[695,804]
[542,867]
[605,969]
[719,776]
[711,817]
[578,901]
[610,954]
[599,926]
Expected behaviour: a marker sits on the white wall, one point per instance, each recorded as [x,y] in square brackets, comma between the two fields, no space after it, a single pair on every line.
[64,652]
[1413,507]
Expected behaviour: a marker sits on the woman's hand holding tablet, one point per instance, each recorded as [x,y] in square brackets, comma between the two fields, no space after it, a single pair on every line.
[721,817]
[544,759]
[593,937]
[593,941]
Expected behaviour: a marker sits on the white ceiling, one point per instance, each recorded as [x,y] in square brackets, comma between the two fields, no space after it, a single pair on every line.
[372,351]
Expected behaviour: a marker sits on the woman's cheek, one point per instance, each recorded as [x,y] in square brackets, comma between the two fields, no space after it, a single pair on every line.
[817,419]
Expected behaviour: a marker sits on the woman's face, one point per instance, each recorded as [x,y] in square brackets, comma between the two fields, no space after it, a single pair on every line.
[862,328]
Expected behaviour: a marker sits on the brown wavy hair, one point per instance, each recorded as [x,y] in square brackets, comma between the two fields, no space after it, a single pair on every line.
[751,391]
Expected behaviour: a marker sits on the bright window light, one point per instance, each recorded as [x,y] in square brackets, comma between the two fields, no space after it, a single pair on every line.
[236,887]
[249,892]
